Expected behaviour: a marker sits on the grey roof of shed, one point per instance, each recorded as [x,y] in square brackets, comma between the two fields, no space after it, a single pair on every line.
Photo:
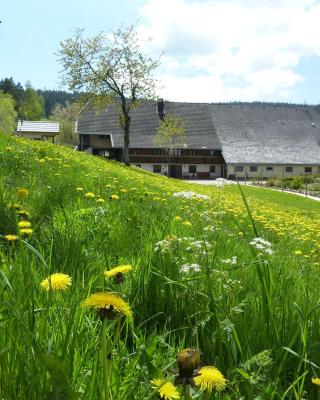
[199,133]
[268,134]
[38,127]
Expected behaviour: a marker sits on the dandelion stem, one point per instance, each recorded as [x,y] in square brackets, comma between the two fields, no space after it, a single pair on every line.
[187,392]
[104,359]
[206,395]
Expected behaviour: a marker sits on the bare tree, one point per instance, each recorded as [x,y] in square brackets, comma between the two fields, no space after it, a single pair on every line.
[170,135]
[111,67]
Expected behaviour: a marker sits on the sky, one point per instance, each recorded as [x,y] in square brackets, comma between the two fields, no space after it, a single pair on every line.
[211,50]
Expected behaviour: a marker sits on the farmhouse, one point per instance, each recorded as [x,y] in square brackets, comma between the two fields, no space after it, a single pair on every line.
[221,140]
[38,130]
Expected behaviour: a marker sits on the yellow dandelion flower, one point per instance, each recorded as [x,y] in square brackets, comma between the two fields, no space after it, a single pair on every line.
[22,192]
[316,381]
[56,282]
[118,273]
[121,269]
[23,213]
[210,378]
[90,195]
[177,218]
[79,189]
[114,197]
[108,186]
[109,302]
[100,200]
[24,224]
[298,252]
[166,390]
[11,238]
[26,231]
[187,223]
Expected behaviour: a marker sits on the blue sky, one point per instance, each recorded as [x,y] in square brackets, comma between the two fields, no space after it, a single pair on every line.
[31,31]
[214,50]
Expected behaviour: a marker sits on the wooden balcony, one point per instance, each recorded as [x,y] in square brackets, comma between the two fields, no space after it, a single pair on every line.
[151,159]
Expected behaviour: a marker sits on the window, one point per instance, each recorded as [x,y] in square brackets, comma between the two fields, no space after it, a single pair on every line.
[253,168]
[289,169]
[308,170]
[212,169]
[177,152]
[238,168]
[103,153]
[192,169]
[157,152]
[157,168]
[270,169]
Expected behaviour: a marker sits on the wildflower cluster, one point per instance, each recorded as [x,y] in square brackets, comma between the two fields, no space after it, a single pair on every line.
[262,245]
[191,195]
[190,268]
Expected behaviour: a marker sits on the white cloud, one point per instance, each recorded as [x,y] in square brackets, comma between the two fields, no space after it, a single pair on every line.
[221,50]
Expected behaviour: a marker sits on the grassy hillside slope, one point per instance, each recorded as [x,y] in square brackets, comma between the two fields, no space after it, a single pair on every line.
[200,280]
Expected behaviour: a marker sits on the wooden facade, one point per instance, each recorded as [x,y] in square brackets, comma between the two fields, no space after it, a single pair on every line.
[178,163]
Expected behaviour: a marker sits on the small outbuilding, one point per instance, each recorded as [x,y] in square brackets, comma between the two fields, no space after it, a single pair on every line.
[38,130]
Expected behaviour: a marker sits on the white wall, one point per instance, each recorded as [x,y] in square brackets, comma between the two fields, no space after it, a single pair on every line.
[277,170]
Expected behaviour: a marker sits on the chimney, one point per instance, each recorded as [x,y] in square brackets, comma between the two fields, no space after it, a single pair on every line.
[160,107]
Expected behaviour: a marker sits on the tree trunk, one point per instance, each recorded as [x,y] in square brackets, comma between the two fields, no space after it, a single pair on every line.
[126,143]
[126,129]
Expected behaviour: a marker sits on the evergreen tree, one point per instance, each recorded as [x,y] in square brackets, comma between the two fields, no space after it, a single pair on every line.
[54,98]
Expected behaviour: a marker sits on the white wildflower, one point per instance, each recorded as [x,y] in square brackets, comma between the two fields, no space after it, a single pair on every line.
[188,268]
[210,228]
[262,244]
[232,261]
[221,182]
[191,195]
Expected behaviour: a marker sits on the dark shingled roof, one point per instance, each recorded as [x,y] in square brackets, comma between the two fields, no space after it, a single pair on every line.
[246,133]
[200,130]
[267,134]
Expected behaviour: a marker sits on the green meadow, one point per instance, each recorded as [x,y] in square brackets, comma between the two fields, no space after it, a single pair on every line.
[230,272]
